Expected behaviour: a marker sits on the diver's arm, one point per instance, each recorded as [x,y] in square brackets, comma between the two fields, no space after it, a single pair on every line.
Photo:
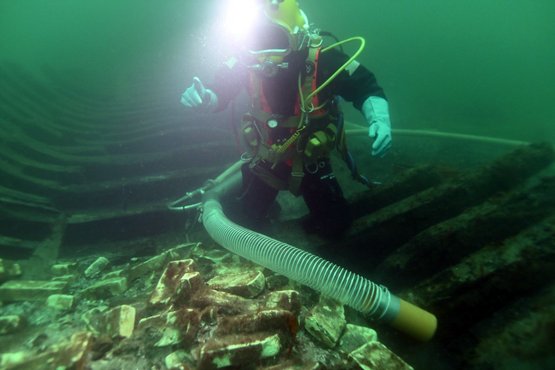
[355,84]
[198,98]
[359,86]
[227,83]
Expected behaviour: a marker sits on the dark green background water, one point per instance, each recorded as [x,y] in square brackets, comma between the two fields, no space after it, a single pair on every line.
[473,66]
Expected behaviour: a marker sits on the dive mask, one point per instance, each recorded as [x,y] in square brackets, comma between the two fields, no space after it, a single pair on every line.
[271,43]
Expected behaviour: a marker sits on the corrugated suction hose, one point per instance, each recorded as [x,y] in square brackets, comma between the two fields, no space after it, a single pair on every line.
[331,280]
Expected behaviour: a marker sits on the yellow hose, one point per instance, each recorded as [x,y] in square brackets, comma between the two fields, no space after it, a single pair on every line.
[341,69]
[305,102]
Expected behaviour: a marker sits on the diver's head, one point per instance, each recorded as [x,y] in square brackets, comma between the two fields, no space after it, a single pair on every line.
[286,16]
[269,29]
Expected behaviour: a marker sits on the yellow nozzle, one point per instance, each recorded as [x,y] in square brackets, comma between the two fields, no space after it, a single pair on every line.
[414,321]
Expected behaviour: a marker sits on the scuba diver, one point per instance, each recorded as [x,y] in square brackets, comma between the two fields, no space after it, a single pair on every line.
[295,121]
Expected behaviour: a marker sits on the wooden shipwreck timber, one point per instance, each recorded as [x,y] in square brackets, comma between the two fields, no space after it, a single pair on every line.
[464,229]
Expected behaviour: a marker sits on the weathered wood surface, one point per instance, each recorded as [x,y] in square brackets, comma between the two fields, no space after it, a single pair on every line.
[376,235]
[446,243]
[67,152]
[488,279]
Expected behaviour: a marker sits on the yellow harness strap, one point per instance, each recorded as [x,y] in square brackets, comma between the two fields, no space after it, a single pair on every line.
[257,135]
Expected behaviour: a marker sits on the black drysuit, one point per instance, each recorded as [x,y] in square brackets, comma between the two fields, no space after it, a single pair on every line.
[329,211]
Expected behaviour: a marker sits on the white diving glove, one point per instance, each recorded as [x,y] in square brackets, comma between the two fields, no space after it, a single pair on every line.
[198,98]
[376,112]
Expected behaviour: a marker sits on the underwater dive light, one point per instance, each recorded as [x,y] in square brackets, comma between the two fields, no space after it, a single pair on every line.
[239,17]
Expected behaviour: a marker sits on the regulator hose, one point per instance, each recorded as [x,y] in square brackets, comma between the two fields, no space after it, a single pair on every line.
[350,289]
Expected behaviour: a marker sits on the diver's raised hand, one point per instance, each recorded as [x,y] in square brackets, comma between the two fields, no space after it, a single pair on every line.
[376,112]
[198,98]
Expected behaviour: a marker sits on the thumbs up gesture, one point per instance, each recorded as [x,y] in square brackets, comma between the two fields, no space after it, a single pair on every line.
[198,98]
